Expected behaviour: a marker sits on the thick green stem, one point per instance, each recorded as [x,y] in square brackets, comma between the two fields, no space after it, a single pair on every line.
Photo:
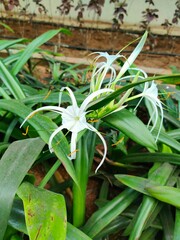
[79,192]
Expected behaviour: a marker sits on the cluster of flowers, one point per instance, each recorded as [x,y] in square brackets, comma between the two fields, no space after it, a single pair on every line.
[75,118]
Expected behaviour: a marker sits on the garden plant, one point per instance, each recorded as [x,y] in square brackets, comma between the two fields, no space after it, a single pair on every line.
[109,122]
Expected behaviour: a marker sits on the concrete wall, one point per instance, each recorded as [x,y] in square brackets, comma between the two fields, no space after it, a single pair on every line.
[131,21]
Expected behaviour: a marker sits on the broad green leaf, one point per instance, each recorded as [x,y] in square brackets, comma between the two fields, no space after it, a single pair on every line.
[26,54]
[17,221]
[166,194]
[11,82]
[44,127]
[132,127]
[14,165]
[45,212]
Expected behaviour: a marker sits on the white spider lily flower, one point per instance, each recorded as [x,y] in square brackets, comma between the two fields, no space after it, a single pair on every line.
[150,93]
[102,68]
[74,120]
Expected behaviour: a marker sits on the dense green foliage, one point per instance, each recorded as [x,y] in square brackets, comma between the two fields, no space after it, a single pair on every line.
[139,177]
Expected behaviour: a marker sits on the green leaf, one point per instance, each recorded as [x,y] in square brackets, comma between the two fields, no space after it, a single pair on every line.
[149,234]
[8,43]
[45,212]
[167,221]
[177,218]
[152,157]
[74,233]
[137,183]
[14,165]
[11,82]
[105,215]
[102,102]
[133,56]
[141,184]
[17,221]
[175,134]
[177,225]
[131,126]
[167,139]
[150,207]
[17,218]
[166,194]
[7,27]
[26,54]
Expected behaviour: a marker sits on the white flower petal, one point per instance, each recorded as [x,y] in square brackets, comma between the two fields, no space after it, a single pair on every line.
[53,135]
[73,145]
[50,108]
[90,127]
[151,94]
[73,99]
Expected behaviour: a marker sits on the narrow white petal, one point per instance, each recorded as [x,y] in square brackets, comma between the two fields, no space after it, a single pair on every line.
[53,135]
[73,99]
[73,145]
[140,70]
[155,112]
[104,144]
[50,108]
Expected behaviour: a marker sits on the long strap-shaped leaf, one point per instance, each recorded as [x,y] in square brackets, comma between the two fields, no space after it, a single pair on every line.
[171,79]
[11,82]
[152,157]
[132,57]
[130,125]
[105,215]
[14,165]
[7,43]
[26,54]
